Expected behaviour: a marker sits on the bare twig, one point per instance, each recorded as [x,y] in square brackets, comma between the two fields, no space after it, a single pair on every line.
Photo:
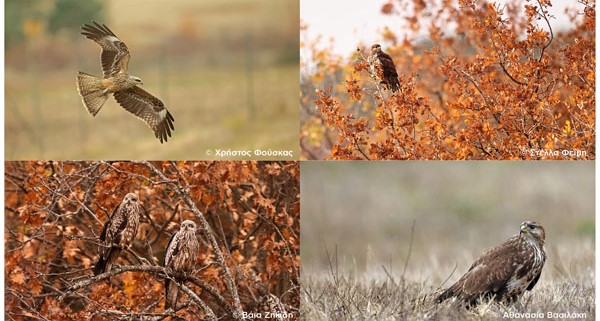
[183,189]
[152,269]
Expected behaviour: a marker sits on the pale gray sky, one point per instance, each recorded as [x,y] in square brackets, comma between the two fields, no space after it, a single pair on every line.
[351,22]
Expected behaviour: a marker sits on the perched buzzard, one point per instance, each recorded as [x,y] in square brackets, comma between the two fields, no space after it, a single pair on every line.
[118,232]
[383,69]
[94,91]
[182,252]
[503,272]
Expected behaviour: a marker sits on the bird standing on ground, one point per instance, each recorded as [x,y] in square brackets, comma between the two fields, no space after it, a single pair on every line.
[504,272]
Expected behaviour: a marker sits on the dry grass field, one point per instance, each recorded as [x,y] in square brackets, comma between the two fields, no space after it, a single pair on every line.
[227,71]
[379,242]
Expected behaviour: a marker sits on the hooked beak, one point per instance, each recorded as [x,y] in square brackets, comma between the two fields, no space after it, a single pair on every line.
[523,228]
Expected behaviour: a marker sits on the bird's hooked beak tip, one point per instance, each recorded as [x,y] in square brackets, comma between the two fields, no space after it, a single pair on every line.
[523,228]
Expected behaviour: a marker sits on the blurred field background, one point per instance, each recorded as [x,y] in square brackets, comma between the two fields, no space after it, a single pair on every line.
[378,239]
[227,71]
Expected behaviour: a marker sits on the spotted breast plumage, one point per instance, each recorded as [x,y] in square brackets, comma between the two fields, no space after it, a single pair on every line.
[182,252]
[118,232]
[503,273]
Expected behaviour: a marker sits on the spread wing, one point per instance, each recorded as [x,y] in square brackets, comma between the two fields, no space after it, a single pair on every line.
[115,55]
[149,109]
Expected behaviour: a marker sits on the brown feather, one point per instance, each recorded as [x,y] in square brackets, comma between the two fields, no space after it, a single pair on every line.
[149,109]
[182,252]
[118,232]
[92,92]
[383,68]
[115,54]
[503,272]
[115,59]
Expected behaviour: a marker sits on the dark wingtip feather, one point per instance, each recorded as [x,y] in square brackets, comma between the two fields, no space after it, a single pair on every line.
[96,30]
[86,30]
[164,132]
[171,120]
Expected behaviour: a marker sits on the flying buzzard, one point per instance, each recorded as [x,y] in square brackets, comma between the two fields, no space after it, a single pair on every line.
[118,232]
[182,252]
[382,68]
[94,91]
[503,272]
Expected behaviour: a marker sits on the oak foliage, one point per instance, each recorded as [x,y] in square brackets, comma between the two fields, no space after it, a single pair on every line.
[248,228]
[489,82]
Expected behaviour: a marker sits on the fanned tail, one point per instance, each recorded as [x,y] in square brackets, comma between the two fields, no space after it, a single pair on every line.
[93,94]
